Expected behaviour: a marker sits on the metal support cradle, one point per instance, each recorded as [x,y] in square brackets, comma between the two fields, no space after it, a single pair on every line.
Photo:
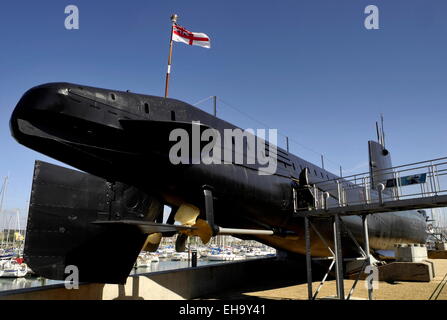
[357,195]
[337,257]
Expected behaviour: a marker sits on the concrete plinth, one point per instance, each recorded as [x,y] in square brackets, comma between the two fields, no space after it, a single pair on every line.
[407,271]
[423,271]
[437,254]
[410,252]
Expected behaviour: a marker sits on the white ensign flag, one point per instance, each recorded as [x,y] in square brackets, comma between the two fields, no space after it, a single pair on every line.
[180,34]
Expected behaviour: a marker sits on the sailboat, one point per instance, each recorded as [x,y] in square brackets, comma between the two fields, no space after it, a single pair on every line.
[11,262]
[6,254]
[12,269]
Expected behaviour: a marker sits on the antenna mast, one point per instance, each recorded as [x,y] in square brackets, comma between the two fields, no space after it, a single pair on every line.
[378,133]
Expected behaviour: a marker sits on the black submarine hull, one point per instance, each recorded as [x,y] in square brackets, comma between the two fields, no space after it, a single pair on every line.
[123,139]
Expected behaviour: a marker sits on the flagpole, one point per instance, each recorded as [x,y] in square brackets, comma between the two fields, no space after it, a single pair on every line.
[174,18]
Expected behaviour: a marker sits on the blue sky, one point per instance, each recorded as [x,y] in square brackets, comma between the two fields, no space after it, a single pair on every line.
[308,68]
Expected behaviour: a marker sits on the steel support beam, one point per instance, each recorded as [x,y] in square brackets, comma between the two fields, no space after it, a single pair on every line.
[338,258]
[366,249]
[308,257]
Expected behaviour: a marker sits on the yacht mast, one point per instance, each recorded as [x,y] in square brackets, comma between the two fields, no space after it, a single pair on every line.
[2,197]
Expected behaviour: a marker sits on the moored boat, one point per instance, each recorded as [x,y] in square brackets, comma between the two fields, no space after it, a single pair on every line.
[179,256]
[143,260]
[12,269]
[154,258]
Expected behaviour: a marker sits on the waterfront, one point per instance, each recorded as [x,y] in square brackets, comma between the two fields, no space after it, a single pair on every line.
[33,282]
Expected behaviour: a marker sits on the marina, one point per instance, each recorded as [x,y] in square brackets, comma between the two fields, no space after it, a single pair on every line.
[15,274]
[30,281]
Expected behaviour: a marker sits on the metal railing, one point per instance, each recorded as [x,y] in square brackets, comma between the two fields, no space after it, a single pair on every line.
[415,180]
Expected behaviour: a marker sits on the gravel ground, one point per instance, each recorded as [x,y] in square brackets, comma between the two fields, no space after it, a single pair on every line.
[434,290]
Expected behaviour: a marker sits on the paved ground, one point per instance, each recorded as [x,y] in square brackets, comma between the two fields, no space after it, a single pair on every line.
[435,290]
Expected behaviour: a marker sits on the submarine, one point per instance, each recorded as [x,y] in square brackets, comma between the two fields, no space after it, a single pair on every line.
[111,206]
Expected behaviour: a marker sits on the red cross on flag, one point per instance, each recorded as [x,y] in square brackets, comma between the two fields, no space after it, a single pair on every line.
[180,34]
